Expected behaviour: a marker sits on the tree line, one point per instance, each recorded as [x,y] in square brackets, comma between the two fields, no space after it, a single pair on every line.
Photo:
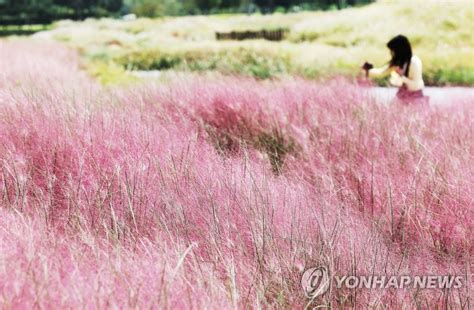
[46,11]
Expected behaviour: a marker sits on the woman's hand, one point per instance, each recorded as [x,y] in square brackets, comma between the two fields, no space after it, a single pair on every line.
[367,66]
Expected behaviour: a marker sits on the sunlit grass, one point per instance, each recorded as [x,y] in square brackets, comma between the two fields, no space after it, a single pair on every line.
[319,44]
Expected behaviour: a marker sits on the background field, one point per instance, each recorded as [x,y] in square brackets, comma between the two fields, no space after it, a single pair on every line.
[318,44]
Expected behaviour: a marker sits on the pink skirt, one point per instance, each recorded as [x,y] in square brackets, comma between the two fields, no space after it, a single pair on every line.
[406,96]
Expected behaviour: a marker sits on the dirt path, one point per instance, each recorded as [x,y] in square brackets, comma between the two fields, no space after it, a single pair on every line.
[438,95]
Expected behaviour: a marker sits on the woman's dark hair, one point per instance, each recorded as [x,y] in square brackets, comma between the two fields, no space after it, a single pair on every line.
[401,52]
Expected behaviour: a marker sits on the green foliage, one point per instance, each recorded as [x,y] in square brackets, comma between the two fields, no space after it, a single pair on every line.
[450,76]
[155,8]
[109,73]
[27,12]
[243,61]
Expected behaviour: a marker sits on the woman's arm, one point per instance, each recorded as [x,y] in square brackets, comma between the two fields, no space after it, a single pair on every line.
[379,72]
[395,79]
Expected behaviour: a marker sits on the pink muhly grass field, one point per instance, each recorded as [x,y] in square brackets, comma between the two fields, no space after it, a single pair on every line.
[219,192]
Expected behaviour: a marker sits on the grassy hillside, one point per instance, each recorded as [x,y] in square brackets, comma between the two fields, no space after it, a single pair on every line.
[318,44]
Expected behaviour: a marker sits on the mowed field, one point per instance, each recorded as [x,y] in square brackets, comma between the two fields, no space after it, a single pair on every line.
[217,191]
